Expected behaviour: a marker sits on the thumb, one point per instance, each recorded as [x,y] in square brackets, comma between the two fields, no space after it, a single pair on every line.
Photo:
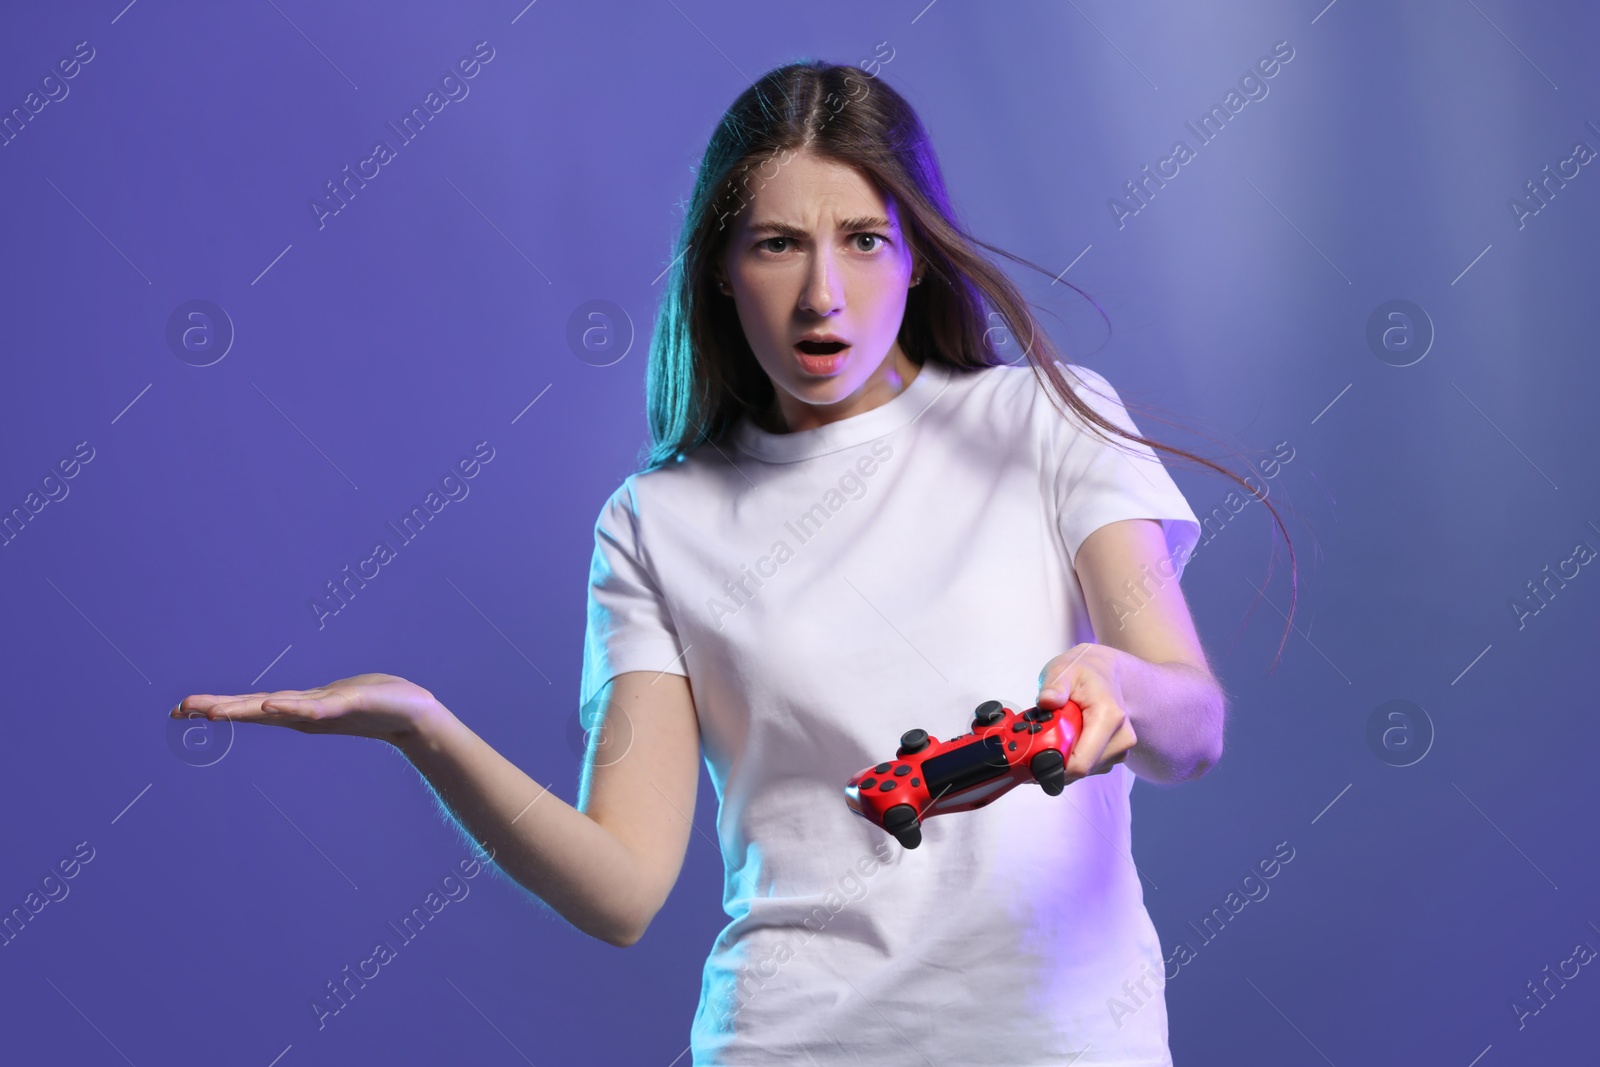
[1053,692]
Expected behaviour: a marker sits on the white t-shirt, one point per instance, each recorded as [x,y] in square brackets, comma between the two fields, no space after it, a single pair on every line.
[827,590]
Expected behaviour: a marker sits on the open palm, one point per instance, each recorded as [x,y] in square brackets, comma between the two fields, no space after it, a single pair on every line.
[383,706]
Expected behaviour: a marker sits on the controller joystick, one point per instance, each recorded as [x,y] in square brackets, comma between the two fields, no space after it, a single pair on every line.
[988,713]
[912,742]
[931,777]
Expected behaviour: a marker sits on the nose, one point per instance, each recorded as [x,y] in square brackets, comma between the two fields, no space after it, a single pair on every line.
[823,292]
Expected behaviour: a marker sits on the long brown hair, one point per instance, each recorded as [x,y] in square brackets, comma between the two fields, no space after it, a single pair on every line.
[702,375]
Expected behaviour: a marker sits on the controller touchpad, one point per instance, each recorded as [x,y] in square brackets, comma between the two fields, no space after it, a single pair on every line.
[965,767]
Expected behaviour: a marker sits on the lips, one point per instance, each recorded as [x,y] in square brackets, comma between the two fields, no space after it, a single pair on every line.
[821,358]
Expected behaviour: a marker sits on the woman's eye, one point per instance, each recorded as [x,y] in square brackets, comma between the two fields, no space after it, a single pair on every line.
[880,240]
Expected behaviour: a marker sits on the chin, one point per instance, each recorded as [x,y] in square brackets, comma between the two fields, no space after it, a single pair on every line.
[829,390]
[823,390]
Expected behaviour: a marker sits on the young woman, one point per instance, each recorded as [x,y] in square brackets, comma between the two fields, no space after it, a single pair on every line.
[856,518]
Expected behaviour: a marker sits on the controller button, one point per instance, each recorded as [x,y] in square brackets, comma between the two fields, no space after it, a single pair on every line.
[899,818]
[1018,725]
[868,783]
[882,768]
[916,783]
[913,741]
[1035,728]
[901,771]
[1012,747]
[888,784]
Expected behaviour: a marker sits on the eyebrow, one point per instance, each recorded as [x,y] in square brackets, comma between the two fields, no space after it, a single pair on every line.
[784,229]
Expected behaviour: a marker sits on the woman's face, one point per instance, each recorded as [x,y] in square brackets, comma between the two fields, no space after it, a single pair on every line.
[817,252]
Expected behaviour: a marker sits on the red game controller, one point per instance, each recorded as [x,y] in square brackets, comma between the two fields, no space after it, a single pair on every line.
[933,777]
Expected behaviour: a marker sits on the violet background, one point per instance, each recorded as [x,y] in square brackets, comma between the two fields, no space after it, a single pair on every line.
[372,353]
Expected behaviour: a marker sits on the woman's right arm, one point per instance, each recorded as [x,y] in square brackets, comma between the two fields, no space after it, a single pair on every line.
[607,865]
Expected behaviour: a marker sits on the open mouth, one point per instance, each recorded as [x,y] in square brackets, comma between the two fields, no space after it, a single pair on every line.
[821,348]
[821,358]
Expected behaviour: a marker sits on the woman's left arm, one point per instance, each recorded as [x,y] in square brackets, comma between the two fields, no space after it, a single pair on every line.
[1146,690]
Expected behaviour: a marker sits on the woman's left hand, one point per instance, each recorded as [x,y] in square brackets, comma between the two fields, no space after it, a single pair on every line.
[1087,675]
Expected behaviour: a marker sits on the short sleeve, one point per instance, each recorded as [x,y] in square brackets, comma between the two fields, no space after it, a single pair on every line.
[629,625]
[1100,482]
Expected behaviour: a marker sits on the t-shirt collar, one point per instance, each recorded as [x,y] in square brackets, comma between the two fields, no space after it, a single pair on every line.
[858,429]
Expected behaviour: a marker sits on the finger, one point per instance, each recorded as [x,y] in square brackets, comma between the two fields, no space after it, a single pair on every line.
[1120,742]
[204,702]
[1117,748]
[1056,680]
[240,709]
[1053,694]
[1099,725]
[300,707]
[313,705]
[275,708]
[306,714]
[1107,764]
[1106,732]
